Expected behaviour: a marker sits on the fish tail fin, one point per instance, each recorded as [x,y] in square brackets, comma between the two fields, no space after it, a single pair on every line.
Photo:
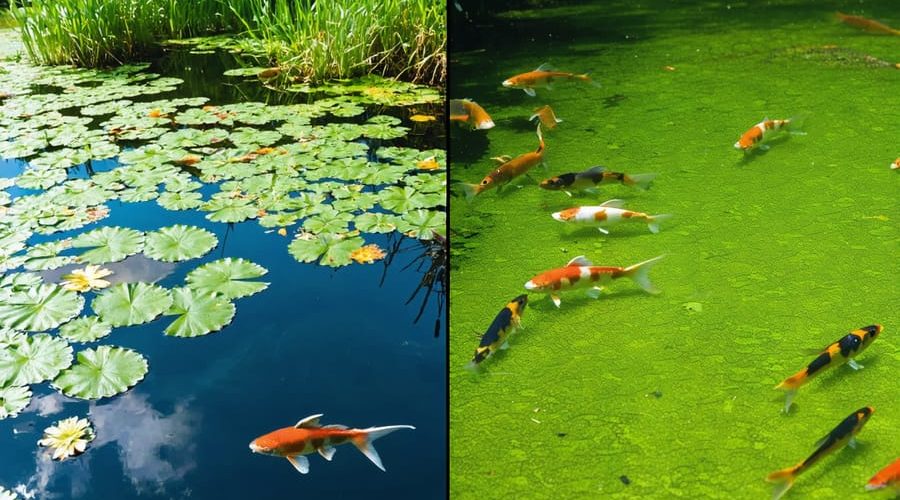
[641,181]
[793,382]
[363,441]
[540,138]
[783,480]
[653,221]
[795,124]
[640,274]
[471,190]
[586,77]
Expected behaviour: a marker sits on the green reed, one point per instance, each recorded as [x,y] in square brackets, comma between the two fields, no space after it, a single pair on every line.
[343,38]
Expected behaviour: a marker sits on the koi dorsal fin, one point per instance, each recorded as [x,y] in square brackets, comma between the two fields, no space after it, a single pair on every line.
[581,260]
[545,67]
[613,203]
[310,422]
[596,170]
[335,426]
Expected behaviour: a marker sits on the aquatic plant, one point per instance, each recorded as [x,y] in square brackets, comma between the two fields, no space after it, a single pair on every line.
[83,280]
[227,278]
[33,359]
[198,312]
[127,304]
[179,242]
[68,437]
[85,329]
[40,308]
[101,373]
[13,400]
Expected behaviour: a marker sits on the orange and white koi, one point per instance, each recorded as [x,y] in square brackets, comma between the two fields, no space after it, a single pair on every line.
[581,273]
[608,213]
[841,435]
[307,437]
[508,320]
[889,476]
[761,131]
[896,164]
[541,77]
[508,170]
[869,25]
[467,111]
[836,354]
[546,116]
[595,176]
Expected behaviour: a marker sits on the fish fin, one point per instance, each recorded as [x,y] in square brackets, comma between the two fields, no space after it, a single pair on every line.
[613,203]
[472,366]
[581,260]
[532,117]
[853,364]
[591,190]
[640,274]
[602,230]
[548,86]
[504,346]
[364,441]
[594,292]
[596,170]
[789,400]
[300,463]
[310,422]
[852,442]
[641,181]
[587,78]
[764,147]
[784,479]
[335,426]
[568,193]
[654,222]
[327,452]
[501,159]
[795,125]
[556,300]
[545,67]
[470,190]
[484,125]
[530,92]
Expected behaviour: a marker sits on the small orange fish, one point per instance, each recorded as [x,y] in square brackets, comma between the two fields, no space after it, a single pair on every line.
[761,131]
[896,164]
[509,170]
[866,24]
[889,476]
[308,437]
[547,117]
[541,77]
[467,111]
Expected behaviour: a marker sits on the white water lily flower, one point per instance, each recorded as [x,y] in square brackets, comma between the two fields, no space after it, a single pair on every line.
[89,278]
[68,438]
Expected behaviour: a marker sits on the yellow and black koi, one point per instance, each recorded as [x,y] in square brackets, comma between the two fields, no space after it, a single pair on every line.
[839,436]
[594,176]
[497,335]
[836,354]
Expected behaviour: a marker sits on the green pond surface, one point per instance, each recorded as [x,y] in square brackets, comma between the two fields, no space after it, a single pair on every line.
[767,255]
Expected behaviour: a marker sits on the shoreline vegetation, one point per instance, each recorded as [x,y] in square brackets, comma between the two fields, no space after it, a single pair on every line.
[306,40]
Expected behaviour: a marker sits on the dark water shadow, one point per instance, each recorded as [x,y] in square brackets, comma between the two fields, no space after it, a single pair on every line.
[759,152]
[467,147]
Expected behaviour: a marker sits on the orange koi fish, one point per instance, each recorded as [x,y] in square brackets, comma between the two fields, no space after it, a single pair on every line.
[508,170]
[541,77]
[896,164]
[607,213]
[889,476]
[546,115]
[839,436]
[761,131]
[866,24]
[308,437]
[581,273]
[595,176]
[508,320]
[840,352]
[466,111]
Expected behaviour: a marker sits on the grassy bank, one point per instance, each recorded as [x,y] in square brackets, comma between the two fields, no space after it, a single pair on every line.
[309,40]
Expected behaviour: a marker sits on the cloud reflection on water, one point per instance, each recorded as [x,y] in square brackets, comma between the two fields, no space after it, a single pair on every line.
[133,269]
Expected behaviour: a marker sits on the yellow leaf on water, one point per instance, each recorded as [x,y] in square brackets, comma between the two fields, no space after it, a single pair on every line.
[282,232]
[367,254]
[422,118]
[428,164]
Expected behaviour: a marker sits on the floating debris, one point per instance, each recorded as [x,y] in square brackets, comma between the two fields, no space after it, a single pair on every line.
[625,480]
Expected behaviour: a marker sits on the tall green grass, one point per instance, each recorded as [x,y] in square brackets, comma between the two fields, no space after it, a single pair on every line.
[344,38]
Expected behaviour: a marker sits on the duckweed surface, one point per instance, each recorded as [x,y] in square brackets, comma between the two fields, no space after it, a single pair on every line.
[767,255]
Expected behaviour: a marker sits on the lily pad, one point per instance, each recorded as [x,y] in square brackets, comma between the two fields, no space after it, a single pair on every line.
[334,250]
[179,242]
[40,308]
[45,256]
[12,401]
[180,200]
[126,304]
[226,277]
[109,244]
[328,220]
[369,222]
[423,224]
[102,372]
[199,313]
[39,358]
[85,329]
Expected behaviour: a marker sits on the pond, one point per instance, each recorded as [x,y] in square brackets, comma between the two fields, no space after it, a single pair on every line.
[253,310]
[767,254]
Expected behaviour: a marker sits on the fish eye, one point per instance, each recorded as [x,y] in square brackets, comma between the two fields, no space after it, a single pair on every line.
[484,182]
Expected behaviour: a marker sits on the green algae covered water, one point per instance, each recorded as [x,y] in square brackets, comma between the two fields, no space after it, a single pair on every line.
[767,256]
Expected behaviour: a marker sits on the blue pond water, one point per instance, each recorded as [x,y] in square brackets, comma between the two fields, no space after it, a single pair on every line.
[318,340]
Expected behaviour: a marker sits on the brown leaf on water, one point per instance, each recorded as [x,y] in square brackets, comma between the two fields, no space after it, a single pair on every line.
[367,254]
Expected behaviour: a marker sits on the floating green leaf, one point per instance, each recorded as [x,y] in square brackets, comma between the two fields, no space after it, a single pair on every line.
[423,224]
[179,242]
[126,304]
[224,208]
[180,200]
[334,250]
[225,277]
[12,401]
[108,244]
[40,308]
[328,220]
[198,313]
[369,222]
[44,256]
[102,372]
[85,329]
[39,358]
